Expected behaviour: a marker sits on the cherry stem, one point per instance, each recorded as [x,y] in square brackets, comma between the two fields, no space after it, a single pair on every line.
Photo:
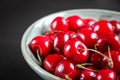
[38,56]
[110,61]
[84,64]
[99,53]
[67,77]
[81,66]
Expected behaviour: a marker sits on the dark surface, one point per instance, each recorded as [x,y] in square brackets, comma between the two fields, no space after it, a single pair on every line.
[17,15]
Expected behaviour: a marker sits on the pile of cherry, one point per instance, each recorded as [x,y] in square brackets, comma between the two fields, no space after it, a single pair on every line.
[80,49]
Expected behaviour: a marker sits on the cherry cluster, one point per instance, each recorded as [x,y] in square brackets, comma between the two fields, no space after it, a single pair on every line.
[80,48]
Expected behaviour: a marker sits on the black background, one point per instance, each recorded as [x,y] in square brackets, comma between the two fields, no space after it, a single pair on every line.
[17,15]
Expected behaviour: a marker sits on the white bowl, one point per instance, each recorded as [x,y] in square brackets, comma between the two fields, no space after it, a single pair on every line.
[42,25]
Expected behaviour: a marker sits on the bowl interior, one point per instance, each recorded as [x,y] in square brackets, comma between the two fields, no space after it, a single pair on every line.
[41,26]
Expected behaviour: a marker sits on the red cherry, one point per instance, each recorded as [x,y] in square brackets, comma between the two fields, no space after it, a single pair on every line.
[114,41]
[88,74]
[115,56]
[67,70]
[72,34]
[88,22]
[42,44]
[102,44]
[59,23]
[52,36]
[88,36]
[51,61]
[106,74]
[95,59]
[116,25]
[111,40]
[75,22]
[103,27]
[59,41]
[76,51]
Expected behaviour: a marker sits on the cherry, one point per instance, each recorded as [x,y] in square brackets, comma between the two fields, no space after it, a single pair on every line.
[42,44]
[88,22]
[59,23]
[51,61]
[59,41]
[74,22]
[95,58]
[115,56]
[88,36]
[72,34]
[116,25]
[76,51]
[51,35]
[88,74]
[112,40]
[106,74]
[67,70]
[102,43]
[103,27]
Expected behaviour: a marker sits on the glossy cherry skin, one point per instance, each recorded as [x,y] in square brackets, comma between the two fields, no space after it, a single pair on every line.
[116,25]
[95,58]
[42,44]
[114,41]
[88,22]
[66,68]
[88,36]
[51,35]
[59,24]
[88,74]
[59,41]
[106,74]
[106,40]
[72,34]
[76,51]
[102,44]
[51,61]
[103,27]
[115,55]
[74,22]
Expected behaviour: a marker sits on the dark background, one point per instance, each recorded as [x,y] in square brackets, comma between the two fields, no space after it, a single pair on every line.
[17,15]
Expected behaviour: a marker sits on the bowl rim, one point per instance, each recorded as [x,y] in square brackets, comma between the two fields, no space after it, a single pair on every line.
[30,62]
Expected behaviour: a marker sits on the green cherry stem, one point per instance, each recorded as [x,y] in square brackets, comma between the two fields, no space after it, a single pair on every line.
[38,56]
[82,67]
[110,61]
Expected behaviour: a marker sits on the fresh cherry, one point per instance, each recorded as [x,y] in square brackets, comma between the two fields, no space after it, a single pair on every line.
[115,57]
[59,41]
[112,40]
[88,22]
[116,25]
[103,27]
[67,70]
[95,58]
[51,61]
[88,36]
[106,74]
[88,74]
[75,22]
[59,23]
[72,34]
[76,51]
[42,44]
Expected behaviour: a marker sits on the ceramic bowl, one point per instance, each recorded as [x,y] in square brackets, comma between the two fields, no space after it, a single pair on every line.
[41,26]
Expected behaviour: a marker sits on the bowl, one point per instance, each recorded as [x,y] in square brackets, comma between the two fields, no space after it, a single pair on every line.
[41,26]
